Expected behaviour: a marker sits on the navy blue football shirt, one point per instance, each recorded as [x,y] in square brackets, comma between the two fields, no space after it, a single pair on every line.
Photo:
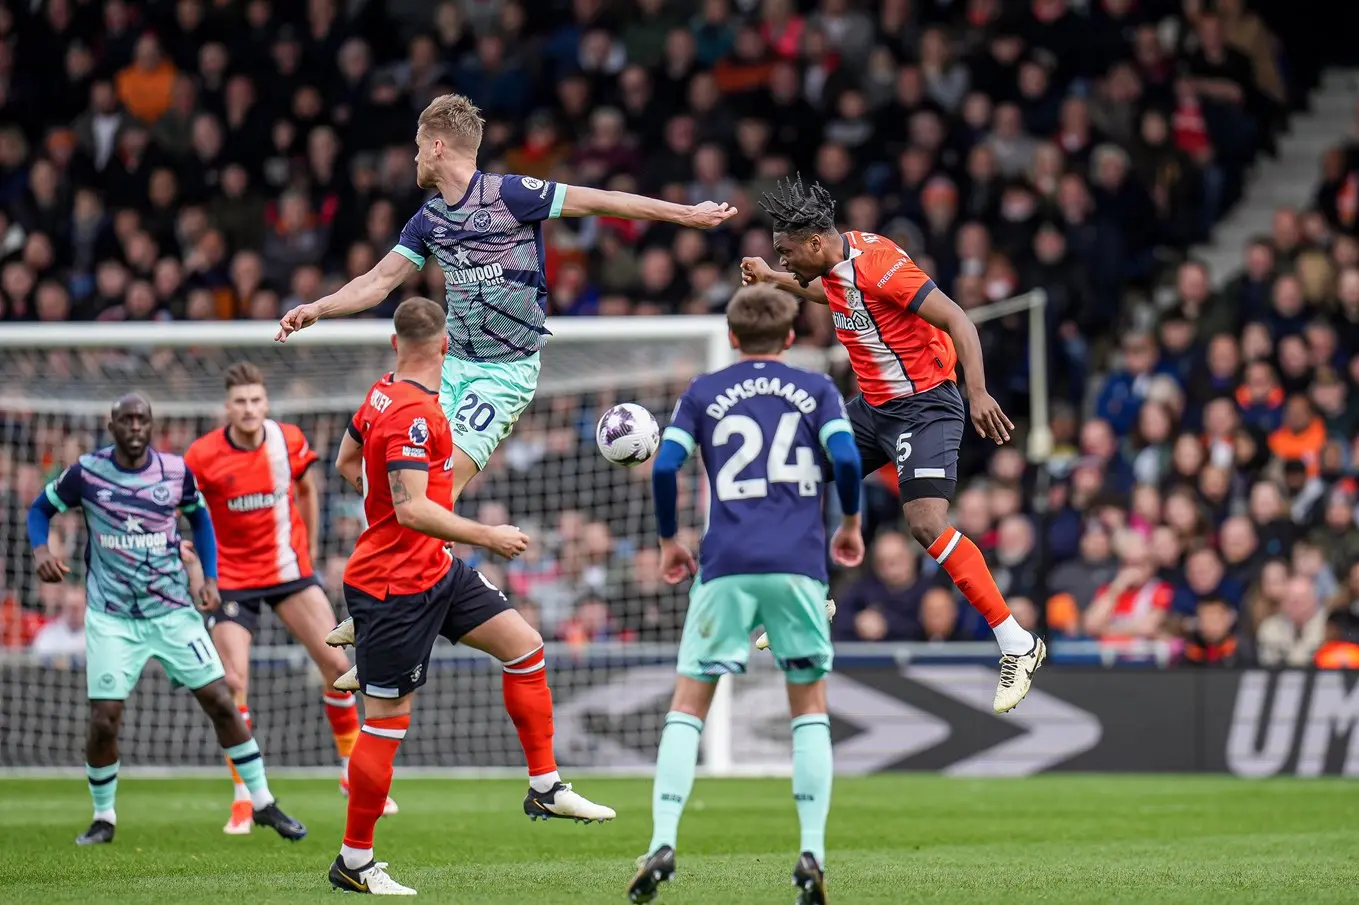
[761,427]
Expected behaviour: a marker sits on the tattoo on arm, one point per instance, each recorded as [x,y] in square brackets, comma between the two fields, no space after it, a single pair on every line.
[399,492]
[357,483]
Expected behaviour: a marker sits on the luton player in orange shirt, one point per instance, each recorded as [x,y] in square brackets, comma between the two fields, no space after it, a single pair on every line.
[404,588]
[256,476]
[905,338]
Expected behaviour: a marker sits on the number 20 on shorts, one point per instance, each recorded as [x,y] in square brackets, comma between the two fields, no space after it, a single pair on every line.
[474,413]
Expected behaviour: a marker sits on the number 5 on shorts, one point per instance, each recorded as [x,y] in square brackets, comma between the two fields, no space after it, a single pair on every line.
[903,448]
[474,413]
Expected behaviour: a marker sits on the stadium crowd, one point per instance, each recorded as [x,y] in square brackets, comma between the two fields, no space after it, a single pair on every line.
[209,160]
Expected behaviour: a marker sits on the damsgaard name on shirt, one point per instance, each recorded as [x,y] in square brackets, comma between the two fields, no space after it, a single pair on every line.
[760,386]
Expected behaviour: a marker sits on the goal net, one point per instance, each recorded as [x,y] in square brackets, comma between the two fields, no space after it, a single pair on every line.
[590,580]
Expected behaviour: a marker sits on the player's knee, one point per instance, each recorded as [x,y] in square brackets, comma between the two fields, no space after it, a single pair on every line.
[217,702]
[524,642]
[693,696]
[926,527]
[332,663]
[104,723]
[532,641]
[806,697]
[237,686]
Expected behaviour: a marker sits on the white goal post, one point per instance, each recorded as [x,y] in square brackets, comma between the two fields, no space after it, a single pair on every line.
[589,581]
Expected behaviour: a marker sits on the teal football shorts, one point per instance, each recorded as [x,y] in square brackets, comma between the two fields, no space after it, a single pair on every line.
[725,611]
[482,401]
[117,648]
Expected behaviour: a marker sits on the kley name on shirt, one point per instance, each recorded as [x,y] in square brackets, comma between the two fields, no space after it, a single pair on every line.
[379,400]
[760,386]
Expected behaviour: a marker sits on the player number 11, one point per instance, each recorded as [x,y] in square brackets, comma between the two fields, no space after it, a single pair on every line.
[201,650]
[802,471]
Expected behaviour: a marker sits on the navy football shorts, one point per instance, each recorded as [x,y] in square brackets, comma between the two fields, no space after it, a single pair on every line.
[393,638]
[921,434]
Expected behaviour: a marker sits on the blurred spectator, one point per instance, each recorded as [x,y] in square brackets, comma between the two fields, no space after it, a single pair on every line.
[1211,641]
[939,617]
[884,605]
[1126,387]
[64,635]
[1014,559]
[1074,583]
[146,86]
[1205,578]
[590,620]
[1291,636]
[1338,650]
[1134,605]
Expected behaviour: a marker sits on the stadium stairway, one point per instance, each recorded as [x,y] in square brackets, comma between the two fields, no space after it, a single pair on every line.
[1289,179]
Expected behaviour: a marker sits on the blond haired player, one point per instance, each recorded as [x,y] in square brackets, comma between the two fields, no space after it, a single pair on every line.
[484,230]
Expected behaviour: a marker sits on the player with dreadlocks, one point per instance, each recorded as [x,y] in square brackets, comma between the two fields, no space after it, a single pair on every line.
[905,338]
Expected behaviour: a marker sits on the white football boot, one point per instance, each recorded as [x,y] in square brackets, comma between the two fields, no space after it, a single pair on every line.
[1016,675]
[341,635]
[372,878]
[349,681]
[561,801]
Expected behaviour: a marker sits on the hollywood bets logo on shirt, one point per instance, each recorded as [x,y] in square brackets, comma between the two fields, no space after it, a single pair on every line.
[135,538]
[464,275]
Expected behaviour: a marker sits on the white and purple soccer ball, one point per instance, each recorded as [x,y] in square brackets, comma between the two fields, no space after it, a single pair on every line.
[627,434]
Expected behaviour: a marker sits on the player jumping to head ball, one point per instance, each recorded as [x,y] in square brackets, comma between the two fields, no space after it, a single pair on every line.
[905,338]
[485,232]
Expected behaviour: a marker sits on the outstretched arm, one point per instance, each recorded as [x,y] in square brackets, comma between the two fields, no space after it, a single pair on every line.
[359,294]
[755,270]
[940,311]
[587,202]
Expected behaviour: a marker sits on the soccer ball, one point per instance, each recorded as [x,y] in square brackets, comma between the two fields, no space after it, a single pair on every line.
[627,434]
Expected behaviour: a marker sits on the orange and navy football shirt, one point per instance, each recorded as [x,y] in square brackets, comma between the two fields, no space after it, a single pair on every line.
[401,427]
[261,539]
[874,296]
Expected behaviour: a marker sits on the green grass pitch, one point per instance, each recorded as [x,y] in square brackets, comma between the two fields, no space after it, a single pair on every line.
[893,839]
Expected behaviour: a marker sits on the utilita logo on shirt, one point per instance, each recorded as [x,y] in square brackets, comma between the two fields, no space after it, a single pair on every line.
[854,323]
[252,502]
